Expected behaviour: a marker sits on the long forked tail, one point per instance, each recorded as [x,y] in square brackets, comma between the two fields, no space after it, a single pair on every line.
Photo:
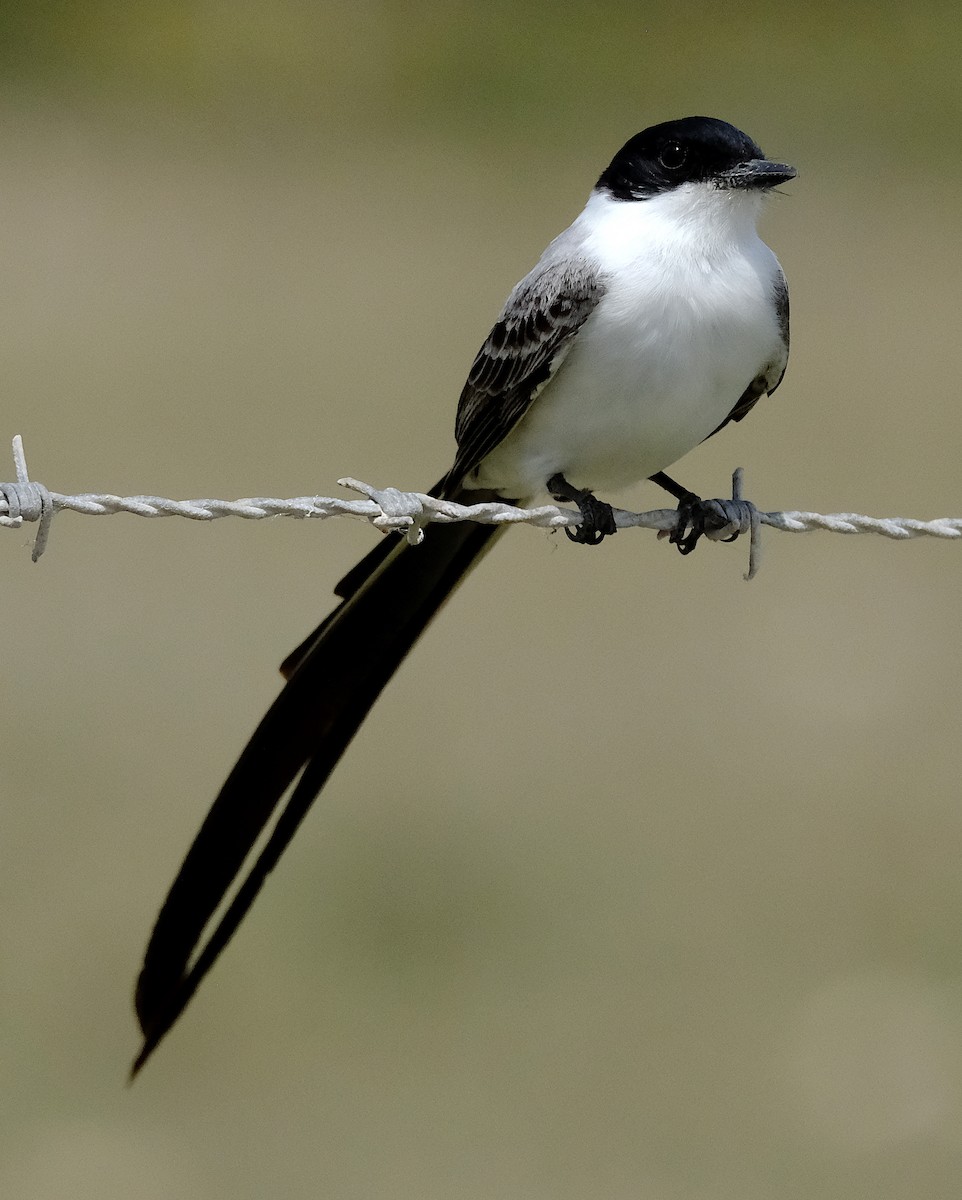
[333,679]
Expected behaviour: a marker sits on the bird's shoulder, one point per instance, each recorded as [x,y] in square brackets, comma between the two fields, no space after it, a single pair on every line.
[542,312]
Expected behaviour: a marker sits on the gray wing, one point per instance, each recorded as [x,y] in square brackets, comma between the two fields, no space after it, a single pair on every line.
[528,343]
[768,380]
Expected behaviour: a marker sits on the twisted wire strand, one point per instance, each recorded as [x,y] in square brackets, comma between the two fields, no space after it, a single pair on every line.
[25,500]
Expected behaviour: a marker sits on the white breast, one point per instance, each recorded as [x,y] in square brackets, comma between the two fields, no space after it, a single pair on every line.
[686,323]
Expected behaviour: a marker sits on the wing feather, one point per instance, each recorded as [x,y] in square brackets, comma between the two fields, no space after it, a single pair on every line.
[527,344]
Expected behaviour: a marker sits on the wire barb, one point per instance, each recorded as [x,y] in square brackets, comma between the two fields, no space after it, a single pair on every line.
[408,512]
[26,501]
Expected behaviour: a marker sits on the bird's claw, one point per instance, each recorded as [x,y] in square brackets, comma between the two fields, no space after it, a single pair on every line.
[597,522]
[697,517]
[690,524]
[597,516]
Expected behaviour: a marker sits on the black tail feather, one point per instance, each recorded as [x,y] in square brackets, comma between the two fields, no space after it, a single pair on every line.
[335,678]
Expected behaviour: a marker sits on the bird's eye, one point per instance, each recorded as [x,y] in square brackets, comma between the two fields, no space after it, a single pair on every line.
[672,156]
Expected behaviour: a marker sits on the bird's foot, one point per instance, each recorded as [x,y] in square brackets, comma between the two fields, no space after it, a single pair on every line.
[597,517]
[698,518]
[692,523]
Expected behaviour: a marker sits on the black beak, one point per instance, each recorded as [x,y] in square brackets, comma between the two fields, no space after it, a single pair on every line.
[757,173]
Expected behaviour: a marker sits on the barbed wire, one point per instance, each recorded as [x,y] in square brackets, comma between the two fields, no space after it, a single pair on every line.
[408,512]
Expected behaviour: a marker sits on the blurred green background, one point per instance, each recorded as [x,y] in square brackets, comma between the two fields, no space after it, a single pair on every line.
[640,882]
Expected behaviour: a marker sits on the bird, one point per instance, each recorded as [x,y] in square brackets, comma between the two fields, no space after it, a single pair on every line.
[657,318]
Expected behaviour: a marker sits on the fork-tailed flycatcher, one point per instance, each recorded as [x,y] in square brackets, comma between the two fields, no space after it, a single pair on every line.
[654,320]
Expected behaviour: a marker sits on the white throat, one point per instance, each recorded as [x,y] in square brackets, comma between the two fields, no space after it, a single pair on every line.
[696,220]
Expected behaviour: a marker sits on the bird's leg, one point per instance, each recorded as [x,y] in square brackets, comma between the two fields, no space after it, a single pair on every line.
[597,518]
[692,514]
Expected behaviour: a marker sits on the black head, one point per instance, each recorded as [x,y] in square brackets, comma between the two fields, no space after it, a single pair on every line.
[692,150]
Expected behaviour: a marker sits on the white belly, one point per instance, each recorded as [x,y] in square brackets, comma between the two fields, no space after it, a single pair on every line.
[654,370]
